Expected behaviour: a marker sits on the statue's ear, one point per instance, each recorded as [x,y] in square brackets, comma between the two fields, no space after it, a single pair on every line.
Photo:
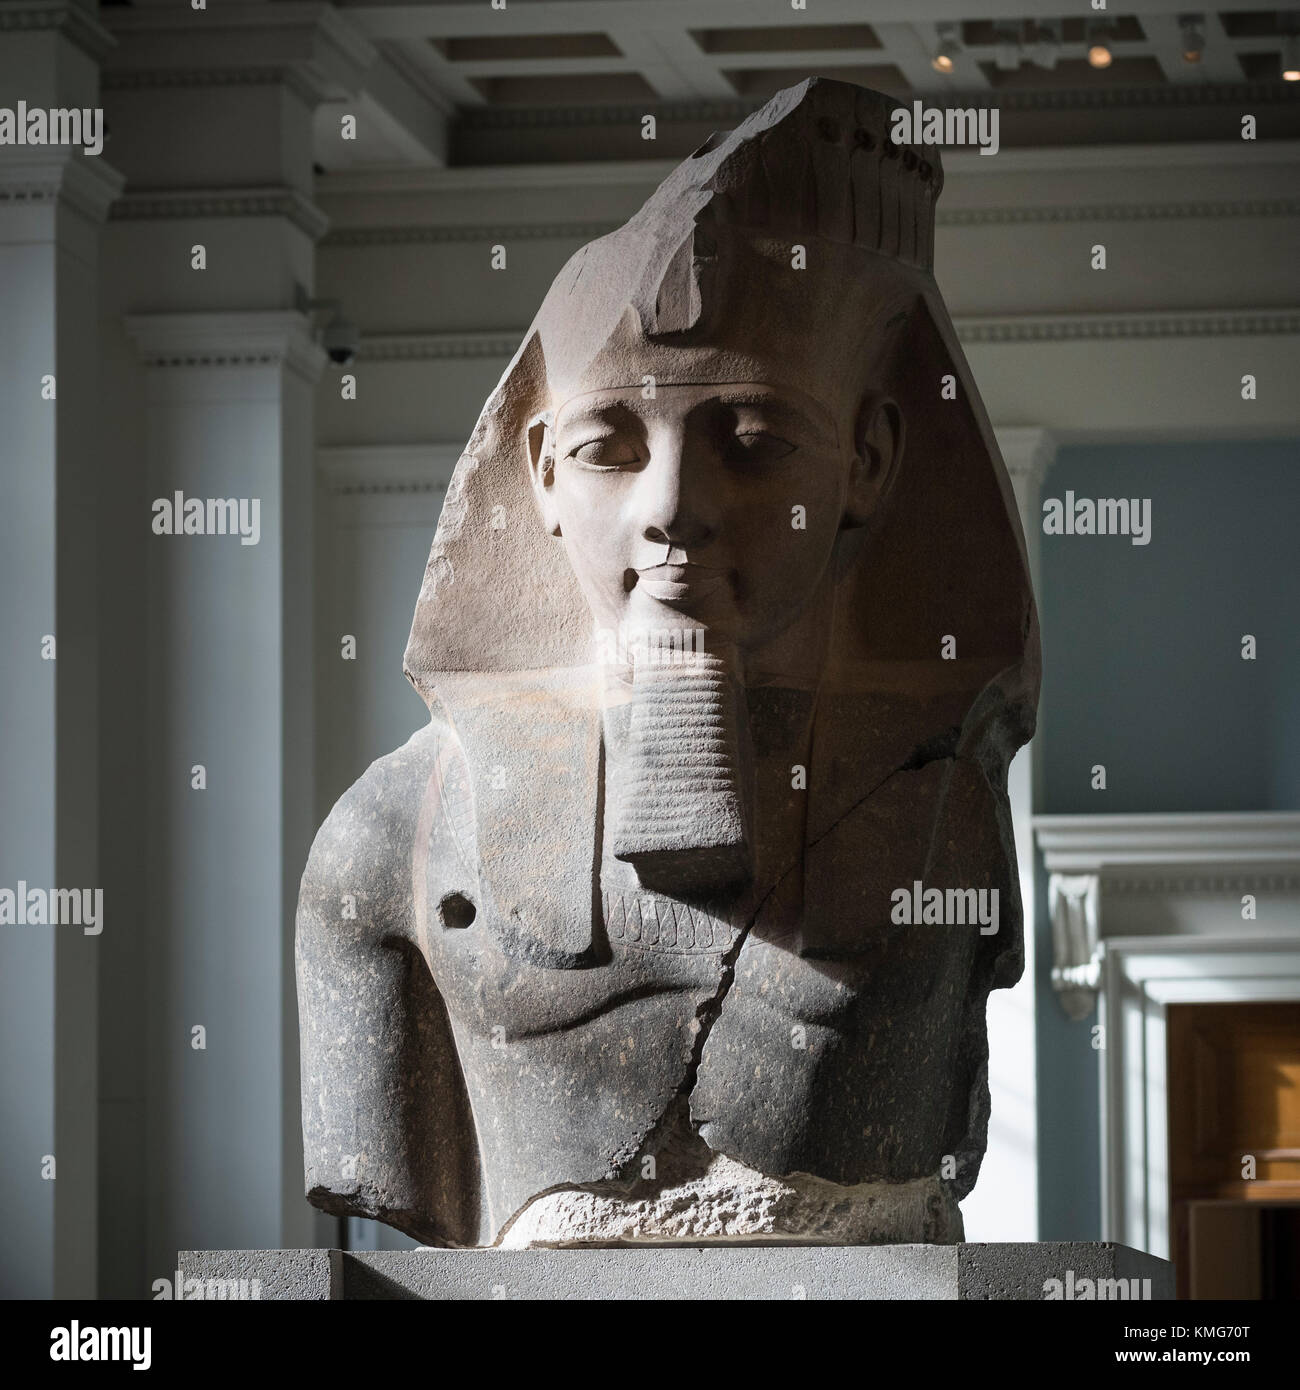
[541,466]
[877,454]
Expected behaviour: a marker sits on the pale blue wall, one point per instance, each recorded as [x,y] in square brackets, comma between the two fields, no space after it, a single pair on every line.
[1143,673]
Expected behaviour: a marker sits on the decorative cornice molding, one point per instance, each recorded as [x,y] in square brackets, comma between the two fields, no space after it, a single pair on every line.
[1033,328]
[420,347]
[1230,884]
[1235,155]
[1147,957]
[1236,841]
[1094,862]
[307,45]
[1119,212]
[724,111]
[487,235]
[491,233]
[731,111]
[645,174]
[413,347]
[79,23]
[348,471]
[960,163]
[88,185]
[149,79]
[1176,94]
[270,338]
[274,201]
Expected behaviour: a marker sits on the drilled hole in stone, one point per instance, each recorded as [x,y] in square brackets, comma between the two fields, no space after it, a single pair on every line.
[456,911]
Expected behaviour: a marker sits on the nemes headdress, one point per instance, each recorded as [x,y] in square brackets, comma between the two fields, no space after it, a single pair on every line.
[702,284]
[797,249]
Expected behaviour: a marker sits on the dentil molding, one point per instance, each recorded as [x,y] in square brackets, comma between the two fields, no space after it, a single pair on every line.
[88,185]
[253,339]
[731,111]
[74,19]
[271,201]
[416,234]
[1028,328]
[309,45]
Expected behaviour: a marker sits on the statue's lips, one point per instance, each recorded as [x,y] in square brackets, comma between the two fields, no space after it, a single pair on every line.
[680,583]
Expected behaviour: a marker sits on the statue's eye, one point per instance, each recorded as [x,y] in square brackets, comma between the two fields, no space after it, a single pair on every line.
[757,446]
[610,452]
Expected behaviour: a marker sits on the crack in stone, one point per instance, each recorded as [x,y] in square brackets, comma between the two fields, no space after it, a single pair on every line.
[942,746]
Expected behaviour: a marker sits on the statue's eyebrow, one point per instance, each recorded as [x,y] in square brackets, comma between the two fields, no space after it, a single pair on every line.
[611,412]
[778,404]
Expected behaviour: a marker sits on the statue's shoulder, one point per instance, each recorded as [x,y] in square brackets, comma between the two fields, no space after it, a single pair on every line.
[361,856]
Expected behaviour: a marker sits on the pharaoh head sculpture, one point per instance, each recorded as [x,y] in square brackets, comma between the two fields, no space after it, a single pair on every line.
[728,639]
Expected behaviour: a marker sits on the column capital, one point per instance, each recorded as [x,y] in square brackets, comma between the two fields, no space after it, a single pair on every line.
[253,339]
[307,46]
[75,20]
[1028,452]
[44,175]
[1074,908]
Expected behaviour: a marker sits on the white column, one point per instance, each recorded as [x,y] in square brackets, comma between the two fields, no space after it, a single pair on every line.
[1004,1204]
[228,404]
[212,121]
[52,205]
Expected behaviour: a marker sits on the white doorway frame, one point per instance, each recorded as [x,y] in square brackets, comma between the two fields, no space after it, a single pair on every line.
[1139,979]
[1171,931]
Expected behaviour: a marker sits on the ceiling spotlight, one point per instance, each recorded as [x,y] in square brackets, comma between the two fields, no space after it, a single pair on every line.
[1192,36]
[1007,55]
[1045,48]
[945,56]
[1099,54]
[1291,59]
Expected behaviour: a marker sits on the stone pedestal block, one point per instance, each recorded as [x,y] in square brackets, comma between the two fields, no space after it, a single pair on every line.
[1076,1271]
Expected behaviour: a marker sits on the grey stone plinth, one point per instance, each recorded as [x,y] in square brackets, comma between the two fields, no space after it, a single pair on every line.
[247,1275]
[1075,1271]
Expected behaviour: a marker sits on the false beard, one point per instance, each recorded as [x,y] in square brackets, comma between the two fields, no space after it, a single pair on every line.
[675,775]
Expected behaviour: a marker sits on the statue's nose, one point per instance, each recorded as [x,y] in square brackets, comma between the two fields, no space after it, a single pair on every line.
[677,506]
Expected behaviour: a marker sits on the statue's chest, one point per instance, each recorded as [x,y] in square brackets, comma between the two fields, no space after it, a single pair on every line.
[655,959]
[659,958]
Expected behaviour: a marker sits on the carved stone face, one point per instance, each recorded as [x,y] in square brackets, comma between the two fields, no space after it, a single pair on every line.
[709,505]
[636,883]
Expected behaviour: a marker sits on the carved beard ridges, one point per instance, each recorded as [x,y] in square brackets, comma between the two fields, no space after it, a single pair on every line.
[675,777]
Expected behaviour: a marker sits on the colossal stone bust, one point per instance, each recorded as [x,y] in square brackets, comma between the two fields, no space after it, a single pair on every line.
[678,921]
